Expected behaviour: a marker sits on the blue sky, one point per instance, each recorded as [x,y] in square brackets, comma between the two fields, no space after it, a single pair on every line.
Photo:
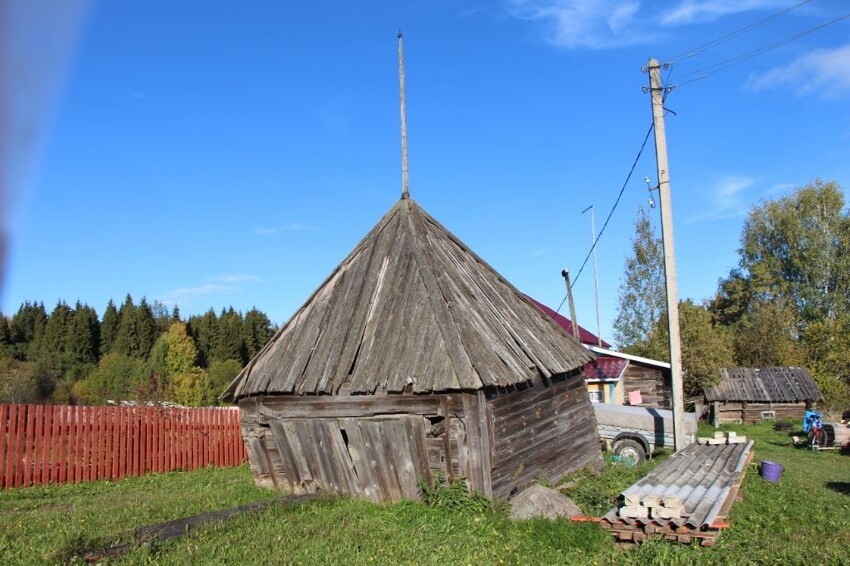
[232,153]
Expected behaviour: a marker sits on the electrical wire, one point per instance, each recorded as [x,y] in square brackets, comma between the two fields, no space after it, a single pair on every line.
[611,213]
[724,38]
[709,70]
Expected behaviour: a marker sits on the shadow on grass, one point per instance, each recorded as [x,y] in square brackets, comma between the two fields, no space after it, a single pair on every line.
[841,487]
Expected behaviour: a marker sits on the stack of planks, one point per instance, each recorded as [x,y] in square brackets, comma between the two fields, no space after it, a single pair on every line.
[681,534]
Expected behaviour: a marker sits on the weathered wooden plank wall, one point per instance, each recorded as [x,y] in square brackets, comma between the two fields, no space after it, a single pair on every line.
[541,430]
[380,447]
[377,448]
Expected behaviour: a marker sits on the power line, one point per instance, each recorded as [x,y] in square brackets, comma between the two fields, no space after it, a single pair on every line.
[610,214]
[724,38]
[709,70]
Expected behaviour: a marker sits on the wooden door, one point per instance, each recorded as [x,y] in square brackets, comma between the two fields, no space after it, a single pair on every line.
[378,458]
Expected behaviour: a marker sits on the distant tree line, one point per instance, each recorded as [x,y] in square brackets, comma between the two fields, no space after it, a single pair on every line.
[141,351]
[786,303]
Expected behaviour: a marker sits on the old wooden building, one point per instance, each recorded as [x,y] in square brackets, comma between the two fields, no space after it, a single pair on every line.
[749,395]
[625,379]
[413,360]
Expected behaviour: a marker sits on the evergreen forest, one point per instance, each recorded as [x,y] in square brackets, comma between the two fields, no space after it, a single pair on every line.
[136,351]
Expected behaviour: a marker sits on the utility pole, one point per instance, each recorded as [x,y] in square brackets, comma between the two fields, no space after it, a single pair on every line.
[656,94]
[595,271]
[404,181]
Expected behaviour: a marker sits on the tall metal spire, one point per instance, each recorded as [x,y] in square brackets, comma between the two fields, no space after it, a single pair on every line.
[404,181]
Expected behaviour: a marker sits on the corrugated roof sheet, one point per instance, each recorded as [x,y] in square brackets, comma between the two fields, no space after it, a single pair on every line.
[765,385]
[410,307]
[605,368]
[701,476]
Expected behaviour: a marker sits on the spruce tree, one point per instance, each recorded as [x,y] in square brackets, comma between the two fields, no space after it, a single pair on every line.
[161,315]
[109,328]
[175,314]
[257,331]
[84,338]
[5,333]
[25,325]
[230,345]
[5,338]
[204,331]
[127,337]
[52,344]
[147,328]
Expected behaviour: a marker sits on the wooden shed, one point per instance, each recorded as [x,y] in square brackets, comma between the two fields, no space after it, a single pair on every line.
[415,359]
[750,395]
[635,377]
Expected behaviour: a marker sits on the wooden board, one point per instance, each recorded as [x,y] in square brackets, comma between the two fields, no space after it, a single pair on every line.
[326,406]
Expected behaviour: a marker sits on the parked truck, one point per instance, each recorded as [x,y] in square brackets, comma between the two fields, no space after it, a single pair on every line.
[635,433]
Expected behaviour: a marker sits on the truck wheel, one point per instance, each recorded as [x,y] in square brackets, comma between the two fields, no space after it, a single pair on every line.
[630,451]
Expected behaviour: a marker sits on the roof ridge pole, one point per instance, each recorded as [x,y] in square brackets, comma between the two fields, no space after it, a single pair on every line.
[404,182]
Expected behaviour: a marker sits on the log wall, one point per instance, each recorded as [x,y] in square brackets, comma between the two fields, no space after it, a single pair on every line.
[750,413]
[654,389]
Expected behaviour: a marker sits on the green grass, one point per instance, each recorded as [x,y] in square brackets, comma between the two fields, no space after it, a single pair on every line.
[803,520]
[51,524]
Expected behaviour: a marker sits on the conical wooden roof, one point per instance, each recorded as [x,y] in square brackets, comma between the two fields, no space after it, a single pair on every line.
[410,308]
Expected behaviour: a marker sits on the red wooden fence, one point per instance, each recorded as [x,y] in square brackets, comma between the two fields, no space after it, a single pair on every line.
[42,444]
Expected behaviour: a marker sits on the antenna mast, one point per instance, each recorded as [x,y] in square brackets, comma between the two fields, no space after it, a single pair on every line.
[404,181]
[591,208]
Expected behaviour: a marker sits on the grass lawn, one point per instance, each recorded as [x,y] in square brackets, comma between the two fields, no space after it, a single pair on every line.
[804,519]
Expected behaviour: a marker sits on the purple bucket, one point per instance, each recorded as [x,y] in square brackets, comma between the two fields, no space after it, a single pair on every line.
[771,471]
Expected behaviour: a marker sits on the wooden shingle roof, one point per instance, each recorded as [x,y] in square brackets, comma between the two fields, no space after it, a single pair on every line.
[765,385]
[411,307]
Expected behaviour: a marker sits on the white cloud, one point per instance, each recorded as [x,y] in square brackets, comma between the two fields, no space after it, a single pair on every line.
[300,227]
[693,11]
[216,285]
[726,199]
[236,278]
[595,24]
[821,72]
[538,252]
[602,24]
[202,290]
[780,189]
[296,227]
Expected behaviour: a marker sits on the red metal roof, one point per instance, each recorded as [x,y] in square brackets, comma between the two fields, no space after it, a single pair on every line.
[605,368]
[585,335]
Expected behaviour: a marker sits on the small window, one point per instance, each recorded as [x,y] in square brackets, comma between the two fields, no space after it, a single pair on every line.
[768,415]
[596,396]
